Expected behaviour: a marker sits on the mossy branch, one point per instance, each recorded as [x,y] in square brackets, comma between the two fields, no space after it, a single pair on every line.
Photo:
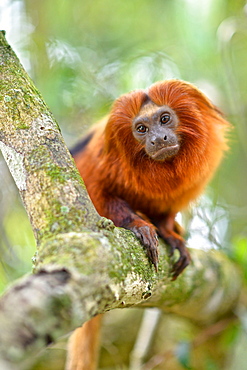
[84,265]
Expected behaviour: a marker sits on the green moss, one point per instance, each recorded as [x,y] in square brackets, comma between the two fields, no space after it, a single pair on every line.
[133,255]
[22,102]
[54,172]
[42,158]
[22,126]
[57,222]
[88,252]
[64,209]
[77,250]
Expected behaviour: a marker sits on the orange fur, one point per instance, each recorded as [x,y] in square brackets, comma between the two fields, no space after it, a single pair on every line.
[114,163]
[83,346]
[125,183]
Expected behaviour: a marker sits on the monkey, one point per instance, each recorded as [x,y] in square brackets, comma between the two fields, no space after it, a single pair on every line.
[150,158]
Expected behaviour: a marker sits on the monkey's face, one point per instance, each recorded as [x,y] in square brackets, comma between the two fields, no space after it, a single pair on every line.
[155,128]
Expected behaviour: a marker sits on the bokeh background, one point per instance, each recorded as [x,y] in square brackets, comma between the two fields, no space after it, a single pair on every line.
[83,54]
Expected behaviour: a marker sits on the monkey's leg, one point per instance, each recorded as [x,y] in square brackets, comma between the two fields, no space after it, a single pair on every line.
[169,230]
[83,347]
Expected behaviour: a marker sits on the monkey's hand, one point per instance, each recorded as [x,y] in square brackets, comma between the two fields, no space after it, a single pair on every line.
[148,237]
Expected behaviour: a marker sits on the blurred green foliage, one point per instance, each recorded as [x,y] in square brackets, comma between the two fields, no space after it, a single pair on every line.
[84,54]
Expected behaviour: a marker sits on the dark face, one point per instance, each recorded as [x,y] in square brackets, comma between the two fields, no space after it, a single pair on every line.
[155,128]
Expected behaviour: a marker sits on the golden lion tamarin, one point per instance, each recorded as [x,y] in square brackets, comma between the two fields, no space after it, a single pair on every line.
[148,160]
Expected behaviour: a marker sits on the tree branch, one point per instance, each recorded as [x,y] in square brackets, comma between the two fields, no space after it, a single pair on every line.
[84,264]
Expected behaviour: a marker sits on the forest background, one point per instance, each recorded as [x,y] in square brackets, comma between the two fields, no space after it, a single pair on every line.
[81,56]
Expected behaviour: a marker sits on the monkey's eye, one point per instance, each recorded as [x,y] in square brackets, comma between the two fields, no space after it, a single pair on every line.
[142,129]
[165,118]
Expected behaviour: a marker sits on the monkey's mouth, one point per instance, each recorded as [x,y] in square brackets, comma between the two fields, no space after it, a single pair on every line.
[165,152]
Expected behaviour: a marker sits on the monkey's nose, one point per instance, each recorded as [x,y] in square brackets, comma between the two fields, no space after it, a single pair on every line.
[159,141]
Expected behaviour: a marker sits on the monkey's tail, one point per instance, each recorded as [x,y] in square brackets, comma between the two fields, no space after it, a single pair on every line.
[83,346]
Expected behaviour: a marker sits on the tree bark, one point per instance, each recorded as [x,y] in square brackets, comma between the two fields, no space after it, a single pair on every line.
[84,264]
